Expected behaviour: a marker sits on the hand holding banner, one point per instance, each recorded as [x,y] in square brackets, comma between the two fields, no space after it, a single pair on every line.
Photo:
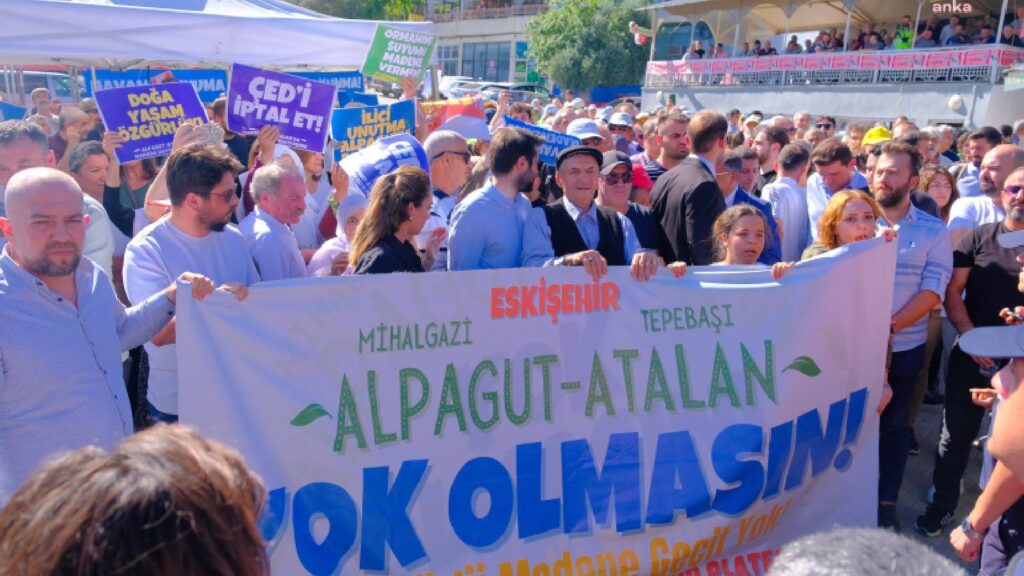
[300,107]
[554,142]
[357,128]
[397,54]
[148,116]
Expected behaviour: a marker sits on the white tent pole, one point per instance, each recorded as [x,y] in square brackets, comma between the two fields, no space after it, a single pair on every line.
[846,32]
[736,35]
[999,33]
[917,23]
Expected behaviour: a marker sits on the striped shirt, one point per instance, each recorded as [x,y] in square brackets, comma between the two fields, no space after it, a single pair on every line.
[924,262]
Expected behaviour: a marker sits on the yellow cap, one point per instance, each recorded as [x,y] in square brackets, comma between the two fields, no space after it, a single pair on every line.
[876,135]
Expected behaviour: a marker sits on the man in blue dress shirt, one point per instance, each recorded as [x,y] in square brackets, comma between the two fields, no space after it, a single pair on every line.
[486,228]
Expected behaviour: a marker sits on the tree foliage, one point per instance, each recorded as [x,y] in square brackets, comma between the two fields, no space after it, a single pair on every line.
[585,43]
[364,9]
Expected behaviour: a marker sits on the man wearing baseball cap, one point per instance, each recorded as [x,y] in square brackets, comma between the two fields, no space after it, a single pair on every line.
[587,131]
[575,231]
[621,124]
[614,190]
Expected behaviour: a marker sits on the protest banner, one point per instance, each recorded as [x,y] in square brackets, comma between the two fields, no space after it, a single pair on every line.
[300,107]
[440,111]
[533,421]
[345,98]
[209,84]
[147,116]
[396,54]
[350,81]
[554,142]
[357,128]
[11,112]
[381,157]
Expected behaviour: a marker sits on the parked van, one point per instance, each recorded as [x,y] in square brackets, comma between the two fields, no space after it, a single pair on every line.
[58,83]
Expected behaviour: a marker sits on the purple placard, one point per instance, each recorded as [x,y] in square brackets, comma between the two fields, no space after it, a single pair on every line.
[148,116]
[300,107]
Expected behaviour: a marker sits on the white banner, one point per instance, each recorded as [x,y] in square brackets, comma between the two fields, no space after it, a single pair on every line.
[532,422]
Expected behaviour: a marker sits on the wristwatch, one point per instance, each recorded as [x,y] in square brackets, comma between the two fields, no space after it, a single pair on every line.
[965,526]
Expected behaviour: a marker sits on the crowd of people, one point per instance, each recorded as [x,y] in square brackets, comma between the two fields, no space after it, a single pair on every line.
[94,251]
[933,33]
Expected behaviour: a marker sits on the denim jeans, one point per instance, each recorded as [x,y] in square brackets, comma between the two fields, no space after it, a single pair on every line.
[894,429]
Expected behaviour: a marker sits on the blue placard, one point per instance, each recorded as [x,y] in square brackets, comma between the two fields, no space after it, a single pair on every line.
[147,117]
[345,98]
[351,81]
[209,84]
[380,158]
[357,128]
[554,142]
[11,112]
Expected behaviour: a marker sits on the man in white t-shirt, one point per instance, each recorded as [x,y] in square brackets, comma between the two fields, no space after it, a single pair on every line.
[788,199]
[195,237]
[971,212]
[280,197]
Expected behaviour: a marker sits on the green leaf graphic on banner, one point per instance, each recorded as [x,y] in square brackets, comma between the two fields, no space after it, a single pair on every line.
[309,414]
[804,365]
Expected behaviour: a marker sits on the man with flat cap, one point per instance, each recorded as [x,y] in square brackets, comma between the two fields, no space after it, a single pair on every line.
[575,231]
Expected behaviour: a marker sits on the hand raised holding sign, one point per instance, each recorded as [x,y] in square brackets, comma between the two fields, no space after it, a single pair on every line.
[408,85]
[267,140]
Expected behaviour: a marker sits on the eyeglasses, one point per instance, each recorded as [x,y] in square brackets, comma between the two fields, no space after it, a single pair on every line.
[612,179]
[464,155]
[225,196]
[825,126]
[591,141]
[1013,190]
[617,127]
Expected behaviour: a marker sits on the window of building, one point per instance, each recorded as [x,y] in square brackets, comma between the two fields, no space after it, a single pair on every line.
[448,57]
[674,38]
[488,61]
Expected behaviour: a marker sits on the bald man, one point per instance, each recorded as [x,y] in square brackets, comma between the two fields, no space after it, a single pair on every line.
[23,145]
[62,330]
[970,212]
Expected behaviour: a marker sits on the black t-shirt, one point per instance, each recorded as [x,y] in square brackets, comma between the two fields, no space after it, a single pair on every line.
[239,146]
[992,283]
[654,170]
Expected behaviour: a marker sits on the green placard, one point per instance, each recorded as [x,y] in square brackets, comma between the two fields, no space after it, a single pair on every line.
[397,54]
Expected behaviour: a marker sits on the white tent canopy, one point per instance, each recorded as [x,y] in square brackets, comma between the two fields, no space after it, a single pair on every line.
[122,33]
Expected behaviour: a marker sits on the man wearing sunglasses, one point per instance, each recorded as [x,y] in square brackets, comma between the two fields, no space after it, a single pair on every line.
[613,191]
[449,157]
[826,124]
[984,282]
[996,166]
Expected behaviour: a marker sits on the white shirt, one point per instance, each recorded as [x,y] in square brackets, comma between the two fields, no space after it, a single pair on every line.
[968,184]
[973,212]
[155,258]
[440,214]
[273,247]
[99,236]
[789,204]
[307,229]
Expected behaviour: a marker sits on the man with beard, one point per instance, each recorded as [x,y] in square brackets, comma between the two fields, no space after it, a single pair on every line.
[487,226]
[768,142]
[280,202]
[576,231]
[673,141]
[63,330]
[967,213]
[686,200]
[966,173]
[984,282]
[195,237]
[924,263]
[23,145]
